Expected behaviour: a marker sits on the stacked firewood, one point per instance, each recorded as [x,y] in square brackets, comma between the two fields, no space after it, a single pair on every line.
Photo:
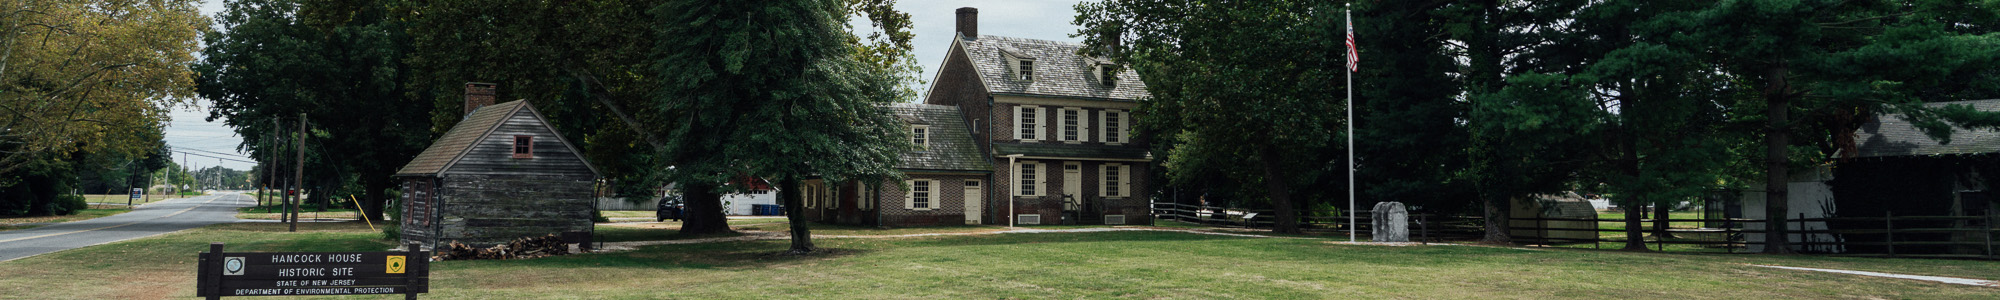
[522,248]
[538,246]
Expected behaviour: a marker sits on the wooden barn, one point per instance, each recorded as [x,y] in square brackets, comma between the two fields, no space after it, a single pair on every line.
[502,173]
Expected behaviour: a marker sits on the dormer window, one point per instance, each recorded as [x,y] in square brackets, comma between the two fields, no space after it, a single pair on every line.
[1107,74]
[524,146]
[1025,69]
[921,136]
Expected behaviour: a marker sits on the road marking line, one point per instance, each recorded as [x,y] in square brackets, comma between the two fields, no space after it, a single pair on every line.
[112,226]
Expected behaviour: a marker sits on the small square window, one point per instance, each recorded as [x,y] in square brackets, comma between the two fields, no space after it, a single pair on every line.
[524,146]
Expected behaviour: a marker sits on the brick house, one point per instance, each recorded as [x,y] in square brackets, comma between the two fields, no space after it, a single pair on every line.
[1014,131]
[501,173]
[1056,124]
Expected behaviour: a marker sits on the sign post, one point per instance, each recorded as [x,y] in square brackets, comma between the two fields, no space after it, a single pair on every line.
[312,273]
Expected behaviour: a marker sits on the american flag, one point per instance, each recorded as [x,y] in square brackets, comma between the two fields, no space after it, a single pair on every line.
[1353,61]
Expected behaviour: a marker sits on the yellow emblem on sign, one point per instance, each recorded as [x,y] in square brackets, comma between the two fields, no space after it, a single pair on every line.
[396,264]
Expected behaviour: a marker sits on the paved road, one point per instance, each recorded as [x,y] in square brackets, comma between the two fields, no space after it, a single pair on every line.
[147,220]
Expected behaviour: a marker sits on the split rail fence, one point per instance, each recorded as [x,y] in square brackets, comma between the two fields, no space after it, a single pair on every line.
[1423,227]
[1912,236]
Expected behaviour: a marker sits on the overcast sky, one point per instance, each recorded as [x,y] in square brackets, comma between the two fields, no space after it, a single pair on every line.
[934,22]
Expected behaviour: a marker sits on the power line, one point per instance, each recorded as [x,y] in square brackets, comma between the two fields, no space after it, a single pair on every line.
[212,152]
[215,157]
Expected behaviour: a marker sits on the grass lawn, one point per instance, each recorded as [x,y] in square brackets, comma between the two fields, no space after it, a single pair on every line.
[120,198]
[95,211]
[1054,265]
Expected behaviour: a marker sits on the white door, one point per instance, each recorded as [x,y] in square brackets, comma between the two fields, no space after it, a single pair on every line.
[1072,184]
[973,201]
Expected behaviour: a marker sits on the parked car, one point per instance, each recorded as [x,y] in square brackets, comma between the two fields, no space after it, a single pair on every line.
[671,208]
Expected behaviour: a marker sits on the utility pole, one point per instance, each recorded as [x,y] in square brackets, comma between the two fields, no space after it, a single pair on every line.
[270,161]
[299,179]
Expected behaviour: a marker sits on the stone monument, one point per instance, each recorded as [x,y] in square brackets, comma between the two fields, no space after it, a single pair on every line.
[1392,222]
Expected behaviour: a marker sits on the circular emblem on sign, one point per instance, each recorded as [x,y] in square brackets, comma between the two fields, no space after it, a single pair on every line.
[233,266]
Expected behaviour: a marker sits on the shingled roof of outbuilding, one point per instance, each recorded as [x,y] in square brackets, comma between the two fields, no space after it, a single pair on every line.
[951,145]
[1894,136]
[448,149]
[1058,72]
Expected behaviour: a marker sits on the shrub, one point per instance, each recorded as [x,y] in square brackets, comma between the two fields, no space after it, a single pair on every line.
[68,205]
[598,216]
[392,228]
[392,232]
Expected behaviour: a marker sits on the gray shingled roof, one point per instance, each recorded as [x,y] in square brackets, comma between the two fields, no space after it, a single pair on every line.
[1058,70]
[460,138]
[951,145]
[1069,150]
[1894,136]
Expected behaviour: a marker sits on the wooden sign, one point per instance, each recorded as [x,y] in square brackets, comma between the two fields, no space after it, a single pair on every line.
[312,273]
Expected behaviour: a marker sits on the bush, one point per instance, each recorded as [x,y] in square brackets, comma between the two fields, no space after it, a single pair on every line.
[392,228]
[392,232]
[598,216]
[68,205]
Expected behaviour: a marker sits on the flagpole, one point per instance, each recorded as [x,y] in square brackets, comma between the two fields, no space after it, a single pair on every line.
[1351,224]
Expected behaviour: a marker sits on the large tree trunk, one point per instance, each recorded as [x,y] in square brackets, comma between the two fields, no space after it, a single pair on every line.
[1277,186]
[1777,143]
[1634,200]
[789,193]
[1661,209]
[1635,236]
[1495,210]
[703,215]
[374,197]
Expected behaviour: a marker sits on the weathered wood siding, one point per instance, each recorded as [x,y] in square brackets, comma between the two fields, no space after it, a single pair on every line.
[494,155]
[419,210]
[493,209]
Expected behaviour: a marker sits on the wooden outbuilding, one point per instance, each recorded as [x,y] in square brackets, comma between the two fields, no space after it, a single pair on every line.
[502,173]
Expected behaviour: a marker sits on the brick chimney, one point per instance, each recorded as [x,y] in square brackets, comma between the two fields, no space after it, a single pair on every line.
[968,22]
[477,94]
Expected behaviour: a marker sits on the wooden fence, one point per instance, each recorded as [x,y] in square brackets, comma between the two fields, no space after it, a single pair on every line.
[1423,227]
[1859,235]
[1907,233]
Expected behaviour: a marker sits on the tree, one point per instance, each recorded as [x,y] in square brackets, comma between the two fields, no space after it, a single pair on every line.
[85,81]
[1209,64]
[1410,134]
[75,74]
[338,64]
[773,89]
[1834,64]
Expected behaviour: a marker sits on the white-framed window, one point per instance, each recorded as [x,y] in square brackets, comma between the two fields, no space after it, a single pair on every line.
[1112,125]
[1114,180]
[1028,179]
[811,195]
[922,195]
[867,196]
[921,135]
[1024,69]
[1075,125]
[1028,123]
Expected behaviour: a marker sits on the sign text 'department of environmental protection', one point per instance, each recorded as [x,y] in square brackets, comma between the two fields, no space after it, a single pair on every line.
[312,273]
